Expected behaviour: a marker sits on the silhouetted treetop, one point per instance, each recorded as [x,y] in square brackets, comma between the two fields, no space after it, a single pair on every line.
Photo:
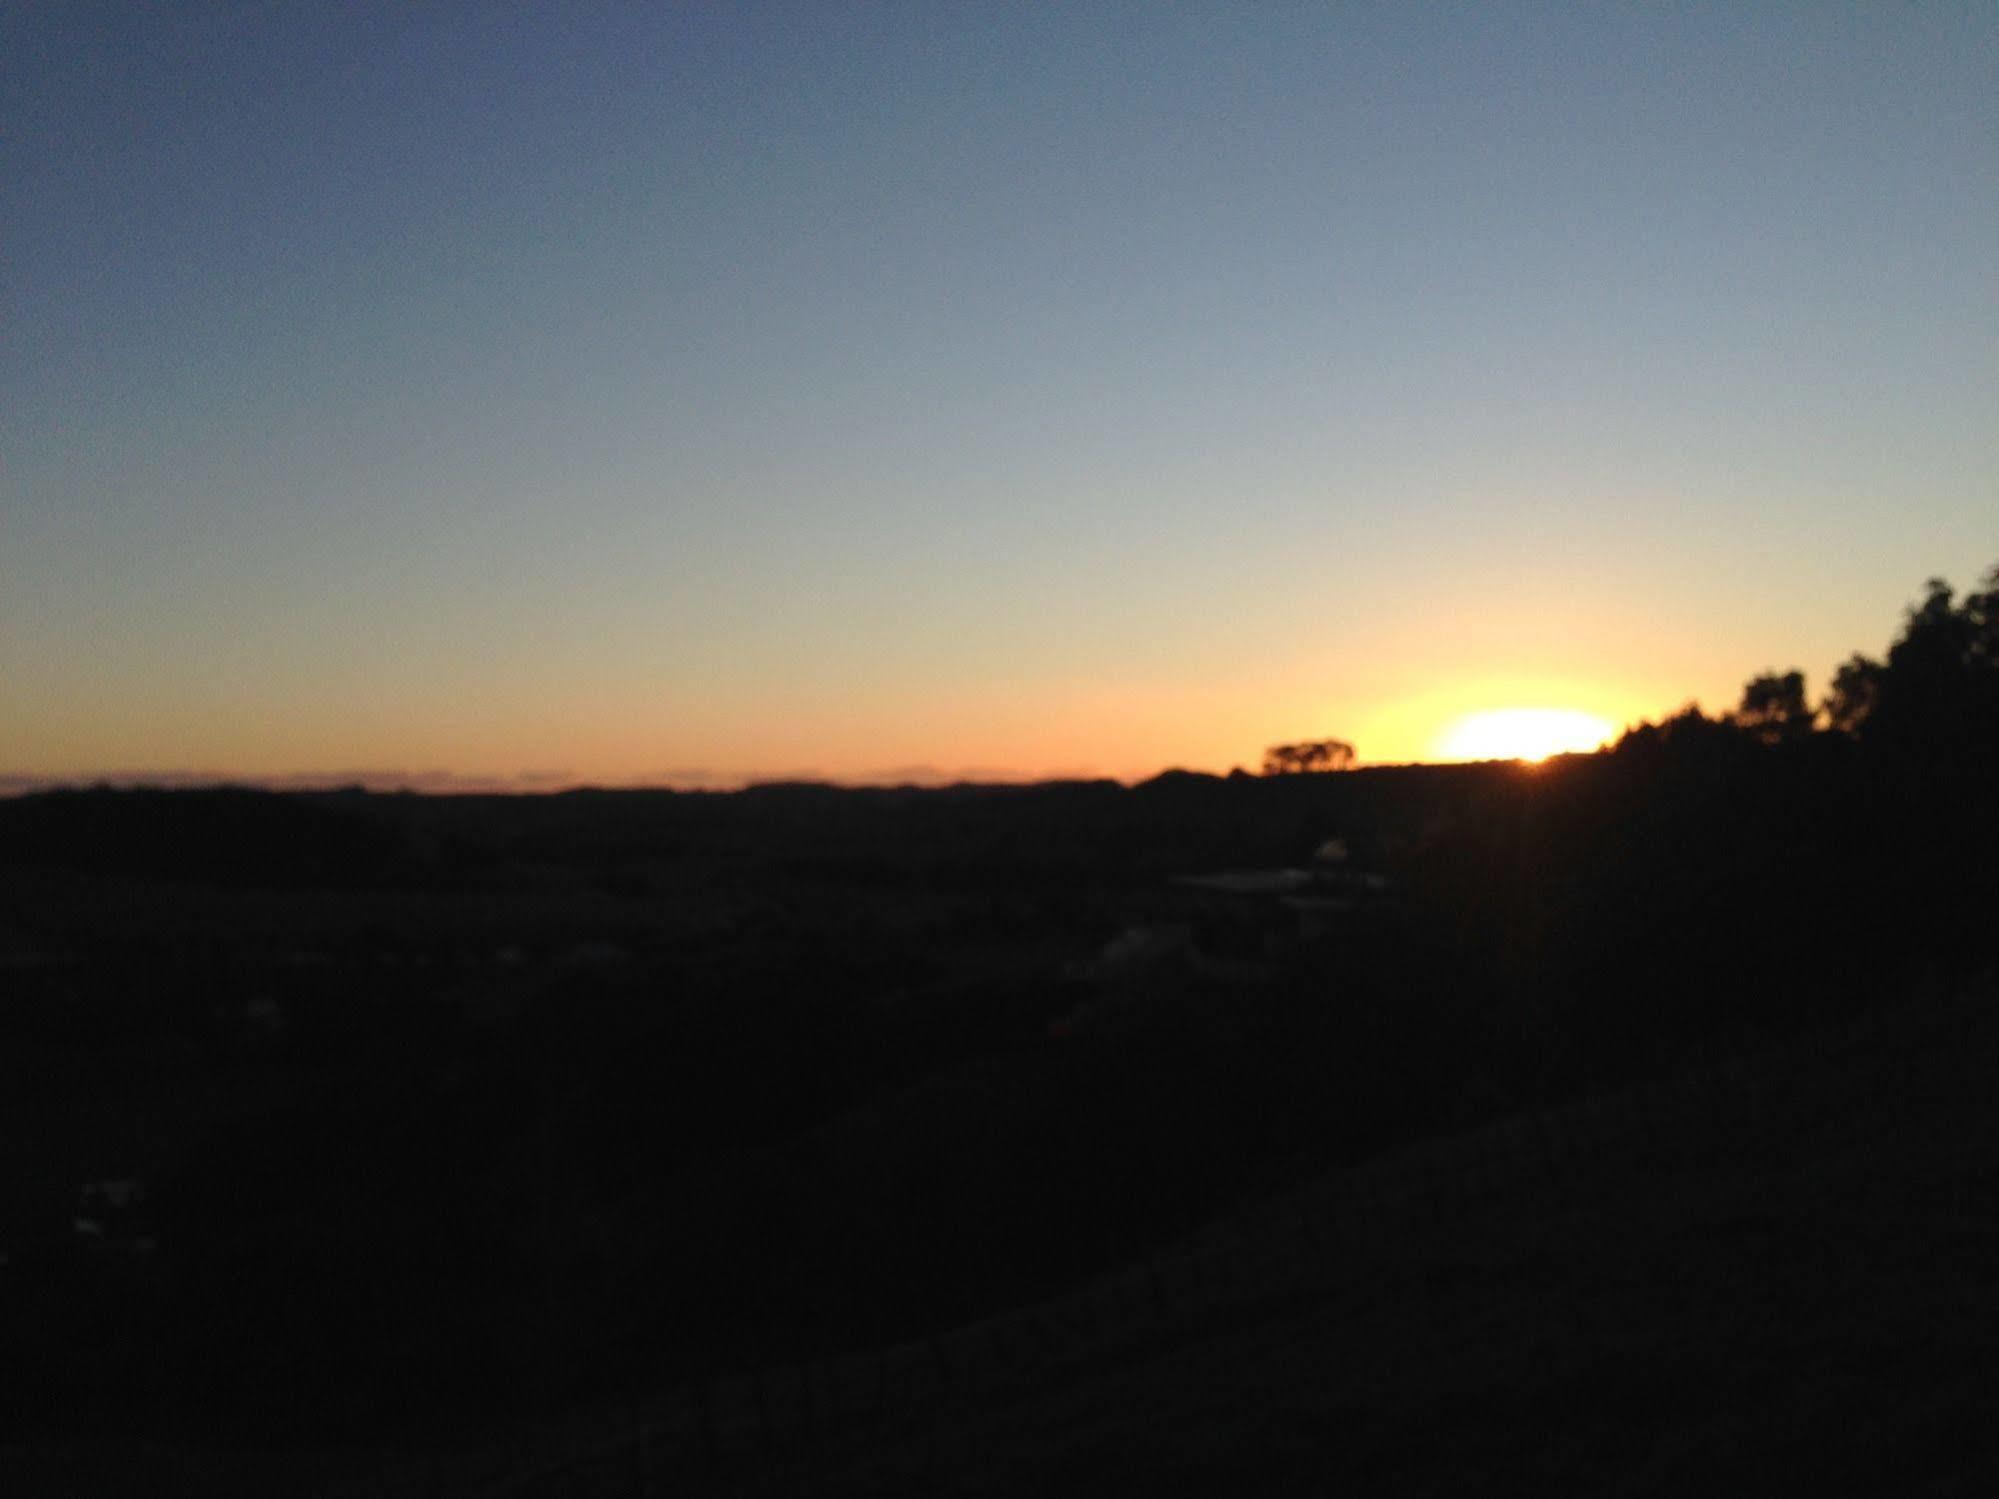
[1773,707]
[1940,686]
[1687,733]
[1932,704]
[1312,755]
[1856,688]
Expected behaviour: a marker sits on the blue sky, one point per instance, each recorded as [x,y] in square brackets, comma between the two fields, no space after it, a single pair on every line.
[635,391]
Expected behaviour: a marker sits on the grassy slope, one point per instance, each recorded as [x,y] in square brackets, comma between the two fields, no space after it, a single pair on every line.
[1798,1293]
[1788,1282]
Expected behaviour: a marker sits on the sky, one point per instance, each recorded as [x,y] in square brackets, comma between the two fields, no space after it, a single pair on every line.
[686,394]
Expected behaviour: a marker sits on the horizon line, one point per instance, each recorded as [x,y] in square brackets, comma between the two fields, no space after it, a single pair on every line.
[542,783]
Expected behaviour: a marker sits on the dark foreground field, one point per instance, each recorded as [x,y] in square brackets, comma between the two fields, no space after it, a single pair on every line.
[1776,1274]
[1784,1279]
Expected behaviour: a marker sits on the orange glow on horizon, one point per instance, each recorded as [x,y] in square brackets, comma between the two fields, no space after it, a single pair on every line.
[1530,734]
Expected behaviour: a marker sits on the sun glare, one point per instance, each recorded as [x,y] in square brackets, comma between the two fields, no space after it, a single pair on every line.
[1523,734]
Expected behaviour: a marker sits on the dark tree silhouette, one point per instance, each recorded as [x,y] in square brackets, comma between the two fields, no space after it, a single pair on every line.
[1773,707]
[1931,706]
[1856,688]
[1939,690]
[1312,755]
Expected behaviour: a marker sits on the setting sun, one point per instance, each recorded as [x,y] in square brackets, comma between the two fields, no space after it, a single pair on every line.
[1523,734]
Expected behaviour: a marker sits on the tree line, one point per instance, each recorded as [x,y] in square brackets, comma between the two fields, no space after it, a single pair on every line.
[1310,756]
[1934,693]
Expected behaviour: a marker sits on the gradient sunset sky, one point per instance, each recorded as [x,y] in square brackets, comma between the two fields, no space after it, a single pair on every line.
[699,392]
